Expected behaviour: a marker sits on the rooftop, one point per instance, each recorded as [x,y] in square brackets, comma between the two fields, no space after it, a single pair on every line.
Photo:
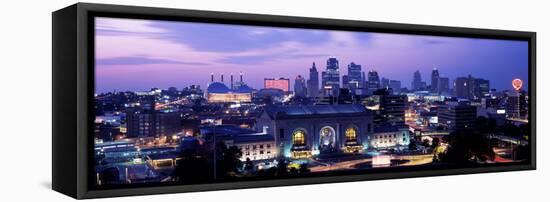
[316,110]
[252,138]
[218,87]
[225,129]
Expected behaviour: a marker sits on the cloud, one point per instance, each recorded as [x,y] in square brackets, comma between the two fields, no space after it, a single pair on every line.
[260,59]
[126,25]
[254,59]
[258,32]
[434,42]
[227,38]
[140,61]
[346,39]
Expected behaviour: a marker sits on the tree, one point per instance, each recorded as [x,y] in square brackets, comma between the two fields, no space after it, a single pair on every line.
[282,166]
[248,165]
[109,175]
[465,147]
[426,143]
[293,171]
[228,160]
[525,130]
[523,152]
[511,130]
[304,169]
[191,168]
[485,125]
[435,142]
[412,145]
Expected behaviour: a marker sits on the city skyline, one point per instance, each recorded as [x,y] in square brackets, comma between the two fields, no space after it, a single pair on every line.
[164,54]
[326,101]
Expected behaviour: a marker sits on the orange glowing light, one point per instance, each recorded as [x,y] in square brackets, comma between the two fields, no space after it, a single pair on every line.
[517,83]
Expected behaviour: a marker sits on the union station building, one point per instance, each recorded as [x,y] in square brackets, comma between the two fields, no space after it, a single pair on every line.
[305,131]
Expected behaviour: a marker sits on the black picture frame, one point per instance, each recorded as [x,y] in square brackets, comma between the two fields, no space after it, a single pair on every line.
[73,90]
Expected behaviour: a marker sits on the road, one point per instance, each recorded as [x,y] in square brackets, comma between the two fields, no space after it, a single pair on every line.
[347,165]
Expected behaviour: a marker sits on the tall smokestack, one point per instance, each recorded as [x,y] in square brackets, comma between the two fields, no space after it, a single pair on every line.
[241,74]
[231,80]
[222,77]
[211,77]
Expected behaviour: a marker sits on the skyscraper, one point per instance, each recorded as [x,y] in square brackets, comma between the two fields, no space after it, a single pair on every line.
[151,123]
[459,116]
[443,85]
[417,83]
[435,81]
[300,86]
[392,108]
[395,85]
[345,82]
[462,87]
[385,83]
[354,77]
[470,87]
[373,82]
[363,79]
[313,82]
[523,105]
[513,104]
[331,78]
[280,83]
[481,88]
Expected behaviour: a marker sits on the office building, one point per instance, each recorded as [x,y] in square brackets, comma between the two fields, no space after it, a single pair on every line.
[280,83]
[313,82]
[459,116]
[300,86]
[435,81]
[331,78]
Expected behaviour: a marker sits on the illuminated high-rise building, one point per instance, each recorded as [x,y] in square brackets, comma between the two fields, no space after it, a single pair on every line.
[443,85]
[313,82]
[435,81]
[280,83]
[331,78]
[462,87]
[459,116]
[384,83]
[300,89]
[373,81]
[513,100]
[481,88]
[392,108]
[354,77]
[345,82]
[395,86]
[417,83]
[471,88]
[152,123]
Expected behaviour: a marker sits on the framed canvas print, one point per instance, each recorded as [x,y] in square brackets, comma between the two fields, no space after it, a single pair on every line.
[154,100]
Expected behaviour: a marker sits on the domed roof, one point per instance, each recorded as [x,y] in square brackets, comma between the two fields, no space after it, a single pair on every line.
[244,89]
[217,87]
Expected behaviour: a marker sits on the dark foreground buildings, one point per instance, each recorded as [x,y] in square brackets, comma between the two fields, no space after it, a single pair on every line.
[459,116]
[152,123]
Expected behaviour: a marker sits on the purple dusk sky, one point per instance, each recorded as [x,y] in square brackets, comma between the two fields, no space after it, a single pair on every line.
[138,55]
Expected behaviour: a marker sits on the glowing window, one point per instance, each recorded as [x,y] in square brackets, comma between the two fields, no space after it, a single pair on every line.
[299,137]
[351,134]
